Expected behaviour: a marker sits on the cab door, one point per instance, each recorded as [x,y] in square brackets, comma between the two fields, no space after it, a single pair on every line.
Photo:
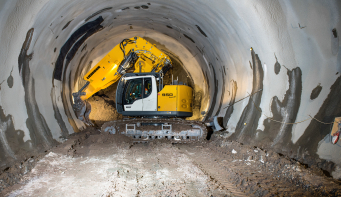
[149,94]
[133,95]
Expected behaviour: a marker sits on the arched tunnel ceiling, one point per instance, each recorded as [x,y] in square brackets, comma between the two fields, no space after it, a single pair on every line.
[292,72]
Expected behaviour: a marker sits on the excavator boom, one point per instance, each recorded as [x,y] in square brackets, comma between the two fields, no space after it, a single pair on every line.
[132,55]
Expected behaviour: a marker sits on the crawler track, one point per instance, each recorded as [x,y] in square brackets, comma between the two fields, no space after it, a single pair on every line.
[147,129]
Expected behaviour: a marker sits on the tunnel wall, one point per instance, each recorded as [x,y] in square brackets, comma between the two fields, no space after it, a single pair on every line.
[291,73]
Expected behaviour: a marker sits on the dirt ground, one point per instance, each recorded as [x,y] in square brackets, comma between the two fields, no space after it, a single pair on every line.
[91,163]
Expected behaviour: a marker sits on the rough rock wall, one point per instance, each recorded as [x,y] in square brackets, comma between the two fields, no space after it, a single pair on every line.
[292,72]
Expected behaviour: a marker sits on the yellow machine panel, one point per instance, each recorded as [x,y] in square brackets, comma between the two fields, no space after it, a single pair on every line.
[144,64]
[100,77]
[175,98]
[104,73]
[184,99]
[167,98]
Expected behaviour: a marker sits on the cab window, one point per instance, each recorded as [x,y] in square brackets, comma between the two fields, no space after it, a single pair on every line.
[147,87]
[133,91]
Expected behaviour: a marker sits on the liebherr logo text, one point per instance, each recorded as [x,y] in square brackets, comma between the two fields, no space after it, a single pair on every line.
[93,72]
[167,94]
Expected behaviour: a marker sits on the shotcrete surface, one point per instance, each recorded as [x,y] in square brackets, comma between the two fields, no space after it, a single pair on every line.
[48,46]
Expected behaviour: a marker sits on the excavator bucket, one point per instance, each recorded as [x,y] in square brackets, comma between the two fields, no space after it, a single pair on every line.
[82,109]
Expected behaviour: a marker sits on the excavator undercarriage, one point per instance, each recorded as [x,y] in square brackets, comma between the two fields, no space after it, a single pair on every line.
[145,129]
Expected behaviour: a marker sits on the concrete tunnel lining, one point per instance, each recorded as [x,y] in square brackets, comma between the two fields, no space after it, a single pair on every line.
[215,36]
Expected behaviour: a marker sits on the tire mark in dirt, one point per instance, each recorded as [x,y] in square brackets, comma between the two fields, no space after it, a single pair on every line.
[241,177]
[253,180]
[209,168]
[230,188]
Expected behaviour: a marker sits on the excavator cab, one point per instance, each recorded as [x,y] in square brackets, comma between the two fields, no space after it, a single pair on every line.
[134,91]
[138,88]
[137,93]
[143,94]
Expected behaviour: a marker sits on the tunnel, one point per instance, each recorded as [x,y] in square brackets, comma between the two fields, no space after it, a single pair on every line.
[270,69]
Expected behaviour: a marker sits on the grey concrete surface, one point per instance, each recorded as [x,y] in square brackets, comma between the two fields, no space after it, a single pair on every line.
[48,45]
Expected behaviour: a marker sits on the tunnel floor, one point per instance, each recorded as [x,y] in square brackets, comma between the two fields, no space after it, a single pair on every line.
[91,163]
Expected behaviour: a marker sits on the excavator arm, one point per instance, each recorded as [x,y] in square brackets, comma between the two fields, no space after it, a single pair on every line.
[131,55]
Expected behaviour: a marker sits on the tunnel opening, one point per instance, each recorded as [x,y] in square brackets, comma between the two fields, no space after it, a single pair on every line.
[272,117]
[178,71]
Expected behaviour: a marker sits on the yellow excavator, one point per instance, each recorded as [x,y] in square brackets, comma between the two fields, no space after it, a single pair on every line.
[140,67]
